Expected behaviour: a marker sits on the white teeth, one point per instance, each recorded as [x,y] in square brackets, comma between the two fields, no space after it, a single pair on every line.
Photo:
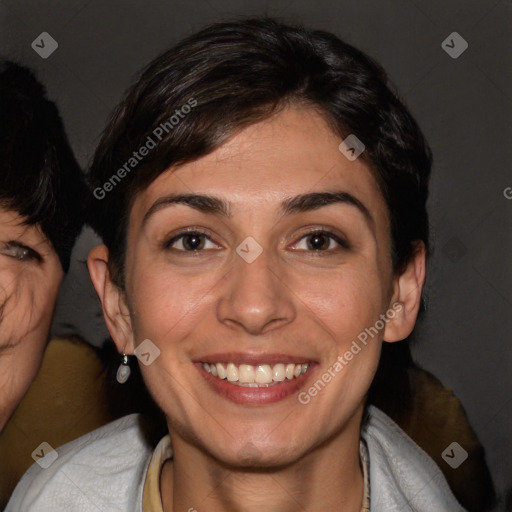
[246,373]
[278,373]
[232,372]
[221,371]
[262,375]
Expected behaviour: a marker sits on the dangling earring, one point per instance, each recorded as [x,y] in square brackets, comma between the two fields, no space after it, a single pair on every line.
[124,370]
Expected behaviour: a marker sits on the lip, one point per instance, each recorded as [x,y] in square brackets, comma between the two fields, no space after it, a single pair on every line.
[255,396]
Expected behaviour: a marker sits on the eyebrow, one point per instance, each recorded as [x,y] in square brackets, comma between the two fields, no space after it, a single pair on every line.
[302,203]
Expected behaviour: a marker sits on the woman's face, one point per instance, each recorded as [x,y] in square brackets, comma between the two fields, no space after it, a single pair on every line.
[30,275]
[260,292]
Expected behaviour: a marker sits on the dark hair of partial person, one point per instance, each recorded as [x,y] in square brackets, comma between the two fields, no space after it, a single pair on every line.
[244,71]
[40,178]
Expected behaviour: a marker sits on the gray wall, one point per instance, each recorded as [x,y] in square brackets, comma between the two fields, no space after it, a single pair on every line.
[463,105]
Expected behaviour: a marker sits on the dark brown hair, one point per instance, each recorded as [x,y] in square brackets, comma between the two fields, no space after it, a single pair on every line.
[40,178]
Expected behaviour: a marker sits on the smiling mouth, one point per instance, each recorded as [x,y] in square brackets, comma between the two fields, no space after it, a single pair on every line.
[256,376]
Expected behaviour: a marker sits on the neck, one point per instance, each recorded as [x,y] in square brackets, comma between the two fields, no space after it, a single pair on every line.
[329,477]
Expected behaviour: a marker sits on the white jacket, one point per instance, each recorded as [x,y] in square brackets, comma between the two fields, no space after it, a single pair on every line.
[105,471]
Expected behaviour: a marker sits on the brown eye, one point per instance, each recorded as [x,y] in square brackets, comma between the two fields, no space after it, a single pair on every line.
[189,241]
[318,241]
[193,242]
[323,241]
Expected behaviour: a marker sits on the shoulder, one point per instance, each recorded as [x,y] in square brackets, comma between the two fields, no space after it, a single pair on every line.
[402,475]
[103,470]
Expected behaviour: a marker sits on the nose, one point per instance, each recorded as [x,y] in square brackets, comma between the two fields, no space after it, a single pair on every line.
[256,297]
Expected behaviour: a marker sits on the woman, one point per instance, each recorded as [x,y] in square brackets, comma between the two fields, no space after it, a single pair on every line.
[261,193]
[41,214]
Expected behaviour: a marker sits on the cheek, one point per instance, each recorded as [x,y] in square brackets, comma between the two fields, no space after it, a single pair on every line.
[28,304]
[18,368]
[27,301]
[167,305]
[345,301]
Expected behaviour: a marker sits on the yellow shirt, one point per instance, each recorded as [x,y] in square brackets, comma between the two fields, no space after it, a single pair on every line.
[152,501]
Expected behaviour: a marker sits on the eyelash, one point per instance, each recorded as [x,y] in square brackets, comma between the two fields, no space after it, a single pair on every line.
[315,231]
[27,254]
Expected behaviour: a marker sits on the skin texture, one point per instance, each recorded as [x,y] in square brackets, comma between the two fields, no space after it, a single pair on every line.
[290,300]
[28,292]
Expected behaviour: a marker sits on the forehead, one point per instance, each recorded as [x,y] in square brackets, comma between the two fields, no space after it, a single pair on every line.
[293,152]
[12,227]
[13,222]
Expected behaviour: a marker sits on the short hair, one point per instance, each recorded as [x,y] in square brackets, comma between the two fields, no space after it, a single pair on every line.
[39,176]
[191,98]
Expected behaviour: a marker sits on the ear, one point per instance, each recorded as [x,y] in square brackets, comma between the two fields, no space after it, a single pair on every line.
[113,300]
[406,298]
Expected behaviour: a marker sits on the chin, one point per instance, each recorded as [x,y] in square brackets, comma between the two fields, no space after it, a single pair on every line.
[245,453]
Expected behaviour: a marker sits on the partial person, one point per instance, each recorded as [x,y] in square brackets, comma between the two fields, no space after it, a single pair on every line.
[42,196]
[50,386]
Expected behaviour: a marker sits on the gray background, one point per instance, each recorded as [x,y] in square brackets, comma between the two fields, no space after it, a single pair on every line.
[463,105]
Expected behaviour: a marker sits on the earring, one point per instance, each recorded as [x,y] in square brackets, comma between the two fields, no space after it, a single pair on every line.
[124,370]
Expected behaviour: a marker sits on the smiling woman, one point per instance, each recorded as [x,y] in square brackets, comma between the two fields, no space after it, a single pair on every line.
[241,259]
[41,214]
